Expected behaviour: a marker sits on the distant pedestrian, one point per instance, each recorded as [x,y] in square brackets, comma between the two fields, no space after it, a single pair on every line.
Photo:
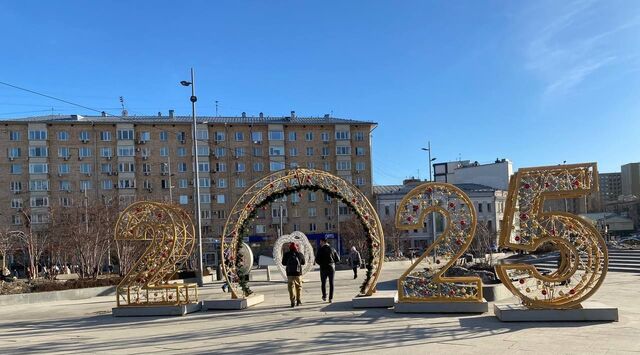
[293,261]
[355,261]
[327,258]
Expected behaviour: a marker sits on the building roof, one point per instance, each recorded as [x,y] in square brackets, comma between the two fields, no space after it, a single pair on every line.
[296,120]
[403,189]
[608,216]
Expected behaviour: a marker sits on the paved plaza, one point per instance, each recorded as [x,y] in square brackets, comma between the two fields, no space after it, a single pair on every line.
[86,326]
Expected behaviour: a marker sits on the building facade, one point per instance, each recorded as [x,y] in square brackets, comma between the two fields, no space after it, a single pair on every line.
[495,175]
[630,179]
[610,186]
[488,202]
[59,161]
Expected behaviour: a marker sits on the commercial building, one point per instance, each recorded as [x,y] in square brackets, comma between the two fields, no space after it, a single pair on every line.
[58,161]
[630,179]
[488,202]
[610,186]
[495,175]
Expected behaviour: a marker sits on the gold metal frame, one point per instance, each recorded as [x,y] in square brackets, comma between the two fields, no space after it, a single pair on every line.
[583,251]
[172,236]
[286,181]
[429,284]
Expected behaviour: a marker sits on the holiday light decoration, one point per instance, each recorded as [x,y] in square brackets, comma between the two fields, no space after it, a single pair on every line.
[171,237]
[304,247]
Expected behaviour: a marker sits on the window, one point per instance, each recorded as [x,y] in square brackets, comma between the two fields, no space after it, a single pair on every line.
[360,181]
[260,229]
[182,167]
[84,152]
[182,151]
[240,167]
[14,135]
[312,196]
[145,136]
[359,151]
[106,152]
[38,152]
[311,165]
[293,136]
[38,168]
[105,136]
[40,201]
[181,137]
[239,152]
[324,136]
[202,134]
[359,136]
[203,151]
[312,212]
[105,168]
[64,185]
[326,166]
[256,137]
[222,183]
[220,198]
[164,151]
[325,151]
[163,136]
[293,165]
[343,150]
[205,182]
[183,183]
[16,203]
[204,167]
[312,227]
[205,214]
[342,135]
[220,152]
[276,151]
[16,219]
[39,185]
[293,152]
[343,165]
[106,184]
[490,226]
[205,198]
[276,166]
[258,166]
[15,186]
[309,151]
[220,136]
[127,167]
[125,134]
[63,136]
[85,168]
[221,167]
[85,136]
[16,168]
[240,182]
[308,136]
[64,169]
[184,199]
[145,167]
[14,152]
[360,166]
[239,136]
[65,201]
[37,135]
[295,198]
[479,206]
[126,151]
[276,135]
[488,207]
[126,184]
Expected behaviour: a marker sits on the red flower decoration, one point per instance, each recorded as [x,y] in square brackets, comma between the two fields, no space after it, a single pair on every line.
[546,184]
[452,205]
[524,216]
[463,223]
[415,208]
[458,241]
[409,218]
[429,190]
[576,183]
[452,292]
[437,261]
[521,281]
[527,186]
[572,291]
[544,292]
[517,238]
[553,232]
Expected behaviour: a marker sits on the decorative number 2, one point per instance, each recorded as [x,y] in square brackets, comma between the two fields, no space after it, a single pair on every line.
[424,281]
[583,253]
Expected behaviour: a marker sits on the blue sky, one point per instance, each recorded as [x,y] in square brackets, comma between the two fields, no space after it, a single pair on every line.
[537,82]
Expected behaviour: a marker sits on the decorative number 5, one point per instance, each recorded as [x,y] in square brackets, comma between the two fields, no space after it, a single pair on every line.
[583,252]
[424,281]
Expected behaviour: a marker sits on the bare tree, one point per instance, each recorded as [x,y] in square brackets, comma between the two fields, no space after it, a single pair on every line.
[392,235]
[8,244]
[352,234]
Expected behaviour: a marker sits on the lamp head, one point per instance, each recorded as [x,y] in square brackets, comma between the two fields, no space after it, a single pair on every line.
[185,83]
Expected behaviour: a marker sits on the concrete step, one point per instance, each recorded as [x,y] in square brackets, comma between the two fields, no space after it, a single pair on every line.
[612,267]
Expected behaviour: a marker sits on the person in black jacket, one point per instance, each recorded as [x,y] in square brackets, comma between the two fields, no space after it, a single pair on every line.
[293,261]
[327,258]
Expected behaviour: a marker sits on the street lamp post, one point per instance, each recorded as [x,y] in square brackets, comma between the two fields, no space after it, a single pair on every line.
[196,174]
[433,214]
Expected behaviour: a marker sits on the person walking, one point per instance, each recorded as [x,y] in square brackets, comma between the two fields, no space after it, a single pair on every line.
[293,261]
[355,261]
[327,258]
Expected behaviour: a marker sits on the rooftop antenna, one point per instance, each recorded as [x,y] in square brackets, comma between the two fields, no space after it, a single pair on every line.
[216,108]
[124,111]
[459,157]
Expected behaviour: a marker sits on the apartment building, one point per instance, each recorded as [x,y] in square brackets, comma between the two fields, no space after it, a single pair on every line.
[58,161]
[630,179]
[610,186]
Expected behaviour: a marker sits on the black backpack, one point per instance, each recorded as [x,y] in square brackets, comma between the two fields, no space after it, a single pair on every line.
[294,267]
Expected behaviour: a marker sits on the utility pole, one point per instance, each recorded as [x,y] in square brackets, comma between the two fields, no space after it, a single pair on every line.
[433,214]
[281,231]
